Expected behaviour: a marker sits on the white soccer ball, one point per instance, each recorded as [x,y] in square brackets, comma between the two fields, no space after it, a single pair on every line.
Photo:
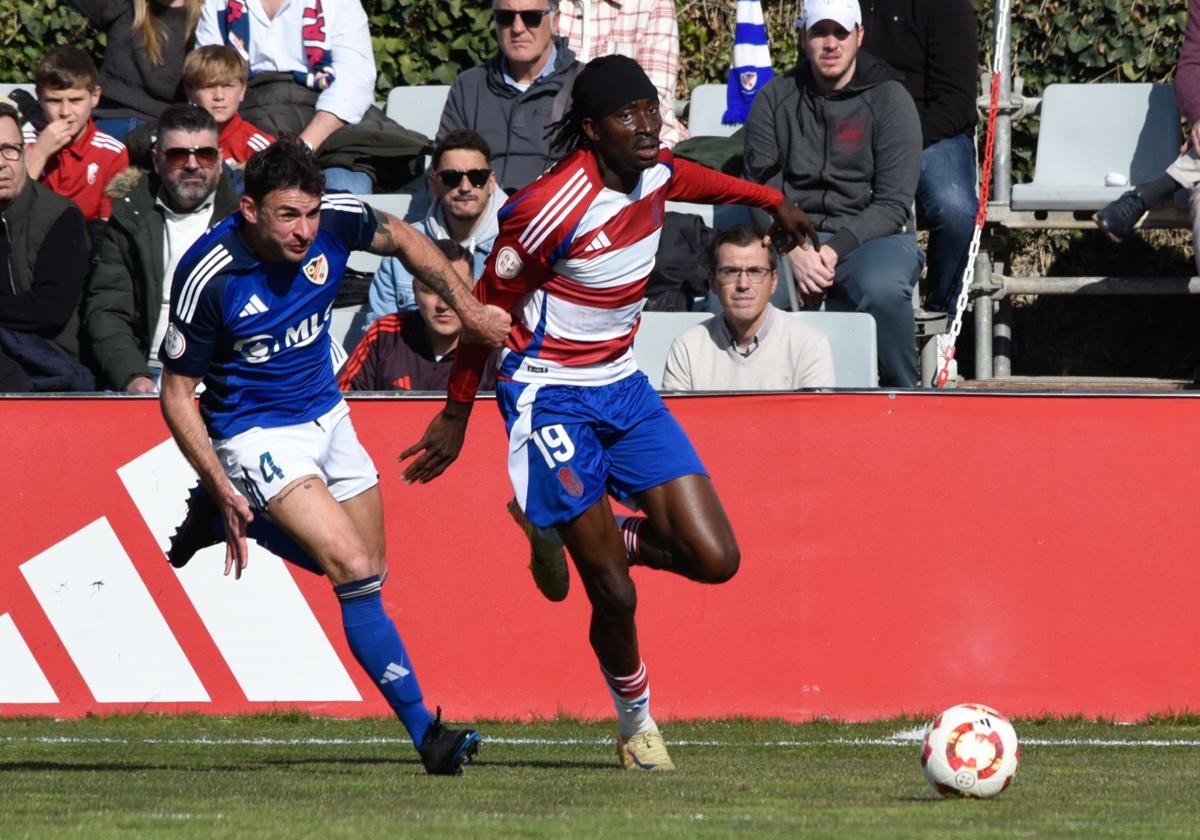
[970,750]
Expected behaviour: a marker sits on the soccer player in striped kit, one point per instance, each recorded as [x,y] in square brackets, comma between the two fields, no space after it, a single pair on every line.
[571,261]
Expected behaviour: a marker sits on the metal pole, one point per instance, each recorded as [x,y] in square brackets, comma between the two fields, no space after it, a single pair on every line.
[1002,339]
[983,318]
[1002,166]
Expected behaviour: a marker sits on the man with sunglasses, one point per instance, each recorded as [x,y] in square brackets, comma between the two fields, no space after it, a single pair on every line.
[43,267]
[750,345]
[512,97]
[156,218]
[465,203]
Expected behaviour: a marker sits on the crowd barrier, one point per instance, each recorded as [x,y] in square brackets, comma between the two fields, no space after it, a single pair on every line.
[901,553]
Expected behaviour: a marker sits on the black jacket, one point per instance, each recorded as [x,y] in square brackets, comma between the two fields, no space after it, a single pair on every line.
[124,298]
[935,45]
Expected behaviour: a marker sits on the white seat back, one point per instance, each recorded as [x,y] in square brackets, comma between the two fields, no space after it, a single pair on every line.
[418,107]
[705,112]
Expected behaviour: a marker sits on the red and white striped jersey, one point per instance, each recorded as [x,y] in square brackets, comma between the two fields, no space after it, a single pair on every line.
[571,262]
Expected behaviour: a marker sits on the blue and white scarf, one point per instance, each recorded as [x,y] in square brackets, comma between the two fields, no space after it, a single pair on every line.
[751,62]
[235,30]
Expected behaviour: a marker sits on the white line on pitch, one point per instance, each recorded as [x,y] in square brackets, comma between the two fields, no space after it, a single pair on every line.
[890,741]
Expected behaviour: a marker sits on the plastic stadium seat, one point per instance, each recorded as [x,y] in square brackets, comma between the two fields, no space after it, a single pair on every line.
[705,112]
[1090,130]
[851,337]
[6,89]
[418,107]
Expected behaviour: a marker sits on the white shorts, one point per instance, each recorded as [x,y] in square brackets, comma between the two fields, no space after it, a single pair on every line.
[261,462]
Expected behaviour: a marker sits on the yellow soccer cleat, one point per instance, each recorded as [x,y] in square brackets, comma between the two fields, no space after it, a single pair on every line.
[547,559]
[644,751]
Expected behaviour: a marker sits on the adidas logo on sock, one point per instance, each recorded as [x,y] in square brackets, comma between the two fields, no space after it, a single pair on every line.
[253,307]
[599,242]
[394,672]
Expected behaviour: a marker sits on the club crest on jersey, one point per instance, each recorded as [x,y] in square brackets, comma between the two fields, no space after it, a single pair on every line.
[508,263]
[173,342]
[570,482]
[317,270]
[93,169]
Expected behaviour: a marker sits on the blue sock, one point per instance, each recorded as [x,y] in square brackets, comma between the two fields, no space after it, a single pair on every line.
[377,647]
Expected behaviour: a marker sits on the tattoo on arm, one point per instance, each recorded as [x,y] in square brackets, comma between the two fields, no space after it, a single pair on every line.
[384,243]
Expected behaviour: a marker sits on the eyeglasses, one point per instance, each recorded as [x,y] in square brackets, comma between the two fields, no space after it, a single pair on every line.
[451,178]
[755,274]
[12,151]
[532,18]
[177,157]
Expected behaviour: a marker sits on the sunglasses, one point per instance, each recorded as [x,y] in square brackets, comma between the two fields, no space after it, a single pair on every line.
[532,18]
[451,178]
[177,157]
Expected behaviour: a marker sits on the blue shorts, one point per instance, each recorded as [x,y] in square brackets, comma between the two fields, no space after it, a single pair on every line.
[568,445]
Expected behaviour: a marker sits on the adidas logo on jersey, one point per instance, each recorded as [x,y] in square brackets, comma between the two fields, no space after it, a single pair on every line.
[601,241]
[394,672]
[253,307]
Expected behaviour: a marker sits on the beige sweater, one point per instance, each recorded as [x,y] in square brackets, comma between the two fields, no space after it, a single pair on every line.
[790,356]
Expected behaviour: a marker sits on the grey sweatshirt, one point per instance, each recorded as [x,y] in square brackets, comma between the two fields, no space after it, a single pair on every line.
[849,158]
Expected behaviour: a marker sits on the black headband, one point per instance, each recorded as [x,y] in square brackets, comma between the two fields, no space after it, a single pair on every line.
[608,83]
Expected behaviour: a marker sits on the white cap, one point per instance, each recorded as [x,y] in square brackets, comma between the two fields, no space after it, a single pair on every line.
[844,12]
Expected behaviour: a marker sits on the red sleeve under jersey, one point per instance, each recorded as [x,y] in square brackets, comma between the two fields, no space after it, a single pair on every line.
[701,185]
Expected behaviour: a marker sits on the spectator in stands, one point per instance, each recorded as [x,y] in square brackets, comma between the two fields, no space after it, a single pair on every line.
[645,30]
[312,73]
[156,218]
[146,41]
[751,345]
[934,44]
[70,155]
[1123,216]
[43,266]
[215,79]
[512,97]
[412,351]
[465,205]
[841,138]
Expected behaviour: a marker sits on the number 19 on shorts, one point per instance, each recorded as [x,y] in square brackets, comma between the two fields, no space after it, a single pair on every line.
[554,443]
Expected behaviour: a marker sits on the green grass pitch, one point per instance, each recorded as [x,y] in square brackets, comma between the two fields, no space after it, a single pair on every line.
[294,776]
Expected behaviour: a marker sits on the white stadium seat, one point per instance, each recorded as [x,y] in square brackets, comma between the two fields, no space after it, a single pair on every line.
[705,112]
[418,107]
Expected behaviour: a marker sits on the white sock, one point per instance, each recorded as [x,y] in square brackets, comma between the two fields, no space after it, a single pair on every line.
[631,696]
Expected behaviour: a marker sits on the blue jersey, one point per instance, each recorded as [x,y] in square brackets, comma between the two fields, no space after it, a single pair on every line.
[256,331]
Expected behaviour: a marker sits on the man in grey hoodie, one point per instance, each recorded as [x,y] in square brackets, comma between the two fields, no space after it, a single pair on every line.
[840,136]
[465,205]
[512,97]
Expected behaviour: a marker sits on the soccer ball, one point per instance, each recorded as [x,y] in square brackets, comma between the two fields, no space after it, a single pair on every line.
[970,750]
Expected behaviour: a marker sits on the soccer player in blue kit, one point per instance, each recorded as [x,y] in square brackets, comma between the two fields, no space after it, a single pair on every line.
[251,304]
[571,261]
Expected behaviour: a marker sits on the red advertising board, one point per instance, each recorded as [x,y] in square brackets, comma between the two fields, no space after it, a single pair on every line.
[900,553]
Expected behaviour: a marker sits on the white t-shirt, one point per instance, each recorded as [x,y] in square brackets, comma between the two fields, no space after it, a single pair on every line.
[276,45]
[180,232]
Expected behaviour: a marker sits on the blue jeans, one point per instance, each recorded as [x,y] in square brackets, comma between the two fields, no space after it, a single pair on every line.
[878,277]
[119,127]
[946,193]
[347,180]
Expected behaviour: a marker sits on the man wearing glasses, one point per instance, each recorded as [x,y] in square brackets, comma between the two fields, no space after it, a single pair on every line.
[751,345]
[465,203]
[512,97]
[43,266]
[153,224]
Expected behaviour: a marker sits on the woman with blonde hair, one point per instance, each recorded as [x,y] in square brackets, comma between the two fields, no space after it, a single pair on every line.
[143,62]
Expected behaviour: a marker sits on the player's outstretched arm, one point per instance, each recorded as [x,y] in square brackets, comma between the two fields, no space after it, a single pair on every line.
[440,445]
[178,402]
[482,324]
[792,226]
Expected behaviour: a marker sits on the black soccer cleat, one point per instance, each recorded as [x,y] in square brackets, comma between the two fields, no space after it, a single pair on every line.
[444,751]
[201,527]
[1121,217]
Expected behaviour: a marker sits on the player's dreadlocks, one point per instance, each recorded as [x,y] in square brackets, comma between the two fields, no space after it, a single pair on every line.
[604,85]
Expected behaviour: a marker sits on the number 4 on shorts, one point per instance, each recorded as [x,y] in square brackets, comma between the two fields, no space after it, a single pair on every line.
[266,466]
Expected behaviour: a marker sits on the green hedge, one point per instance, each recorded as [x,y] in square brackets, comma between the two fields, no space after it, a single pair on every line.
[431,41]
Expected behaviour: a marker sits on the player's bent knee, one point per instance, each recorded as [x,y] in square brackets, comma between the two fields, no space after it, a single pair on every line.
[613,593]
[348,568]
[718,563]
